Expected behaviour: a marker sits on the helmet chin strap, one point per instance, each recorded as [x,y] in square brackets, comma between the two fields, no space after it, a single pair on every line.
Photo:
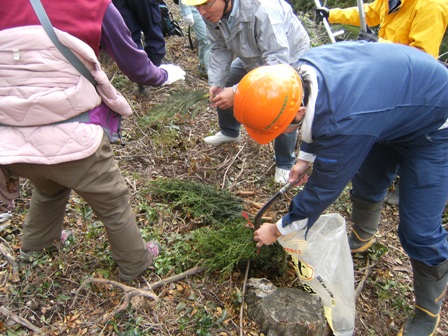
[226,6]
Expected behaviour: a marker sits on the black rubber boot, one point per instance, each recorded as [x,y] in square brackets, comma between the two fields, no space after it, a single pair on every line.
[365,217]
[429,290]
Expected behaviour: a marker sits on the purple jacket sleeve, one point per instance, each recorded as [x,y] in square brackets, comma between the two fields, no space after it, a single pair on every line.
[134,63]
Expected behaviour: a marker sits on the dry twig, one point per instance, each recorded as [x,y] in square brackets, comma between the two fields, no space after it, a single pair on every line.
[239,174]
[191,271]
[5,226]
[230,165]
[364,278]
[11,260]
[256,205]
[246,275]
[245,193]
[130,292]
[19,320]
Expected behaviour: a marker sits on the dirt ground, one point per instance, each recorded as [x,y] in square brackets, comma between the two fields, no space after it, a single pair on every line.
[46,294]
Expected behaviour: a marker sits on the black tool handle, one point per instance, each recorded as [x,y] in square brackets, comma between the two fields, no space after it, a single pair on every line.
[284,189]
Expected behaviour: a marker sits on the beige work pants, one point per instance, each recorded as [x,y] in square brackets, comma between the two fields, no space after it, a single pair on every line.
[97,179]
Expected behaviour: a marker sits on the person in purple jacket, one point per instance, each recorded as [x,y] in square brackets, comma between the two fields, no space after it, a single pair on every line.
[41,93]
[364,109]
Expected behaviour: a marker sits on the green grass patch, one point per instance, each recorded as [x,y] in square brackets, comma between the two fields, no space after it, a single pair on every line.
[177,106]
[222,243]
[197,200]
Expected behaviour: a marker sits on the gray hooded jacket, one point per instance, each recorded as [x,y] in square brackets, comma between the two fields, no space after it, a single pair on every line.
[259,32]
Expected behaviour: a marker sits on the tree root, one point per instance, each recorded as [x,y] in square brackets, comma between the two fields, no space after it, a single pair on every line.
[130,292]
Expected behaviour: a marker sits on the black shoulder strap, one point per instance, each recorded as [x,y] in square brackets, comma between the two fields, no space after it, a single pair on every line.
[68,54]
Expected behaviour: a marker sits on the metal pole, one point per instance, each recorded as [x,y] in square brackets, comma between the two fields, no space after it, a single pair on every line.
[362,15]
[326,24]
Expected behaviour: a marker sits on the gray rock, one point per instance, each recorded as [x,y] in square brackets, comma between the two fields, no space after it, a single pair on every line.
[285,311]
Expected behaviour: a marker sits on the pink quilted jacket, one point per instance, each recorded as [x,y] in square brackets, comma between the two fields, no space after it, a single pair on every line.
[38,86]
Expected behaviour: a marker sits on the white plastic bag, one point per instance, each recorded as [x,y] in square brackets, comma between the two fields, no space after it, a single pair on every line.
[325,267]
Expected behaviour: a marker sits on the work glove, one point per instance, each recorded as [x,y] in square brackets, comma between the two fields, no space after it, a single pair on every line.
[175,73]
[368,36]
[188,19]
[322,13]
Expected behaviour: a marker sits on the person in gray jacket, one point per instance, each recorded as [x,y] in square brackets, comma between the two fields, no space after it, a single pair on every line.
[245,35]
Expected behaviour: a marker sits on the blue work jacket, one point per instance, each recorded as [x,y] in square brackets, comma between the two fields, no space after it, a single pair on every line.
[367,93]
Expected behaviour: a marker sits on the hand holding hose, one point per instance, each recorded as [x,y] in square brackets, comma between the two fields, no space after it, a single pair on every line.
[267,234]
[298,170]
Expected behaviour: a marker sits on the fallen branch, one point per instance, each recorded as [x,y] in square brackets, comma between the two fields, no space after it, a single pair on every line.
[191,271]
[246,275]
[230,165]
[245,193]
[11,260]
[238,176]
[364,278]
[255,204]
[19,320]
[129,293]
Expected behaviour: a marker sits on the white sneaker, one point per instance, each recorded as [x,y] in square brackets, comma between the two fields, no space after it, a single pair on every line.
[219,138]
[281,175]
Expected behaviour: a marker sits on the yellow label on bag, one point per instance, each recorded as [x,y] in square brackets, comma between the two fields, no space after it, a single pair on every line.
[304,271]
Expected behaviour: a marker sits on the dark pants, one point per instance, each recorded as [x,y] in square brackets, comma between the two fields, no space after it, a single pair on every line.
[423,169]
[144,15]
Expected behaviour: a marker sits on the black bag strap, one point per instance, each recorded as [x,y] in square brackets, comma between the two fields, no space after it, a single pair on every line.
[68,54]
[190,39]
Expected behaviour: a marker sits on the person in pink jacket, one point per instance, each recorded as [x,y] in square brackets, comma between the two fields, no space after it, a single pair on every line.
[41,96]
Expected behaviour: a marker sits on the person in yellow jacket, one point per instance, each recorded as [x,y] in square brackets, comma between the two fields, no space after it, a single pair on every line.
[417,23]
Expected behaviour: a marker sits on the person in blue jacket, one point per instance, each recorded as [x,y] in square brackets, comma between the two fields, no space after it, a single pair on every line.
[367,109]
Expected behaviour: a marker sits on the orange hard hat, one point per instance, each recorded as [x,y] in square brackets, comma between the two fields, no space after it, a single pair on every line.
[267,100]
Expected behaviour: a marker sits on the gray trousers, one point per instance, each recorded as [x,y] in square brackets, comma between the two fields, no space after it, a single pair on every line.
[97,179]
